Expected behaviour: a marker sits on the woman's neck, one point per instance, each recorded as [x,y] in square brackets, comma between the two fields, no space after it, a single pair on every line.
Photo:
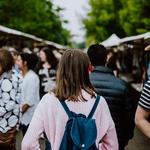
[46,65]
[24,71]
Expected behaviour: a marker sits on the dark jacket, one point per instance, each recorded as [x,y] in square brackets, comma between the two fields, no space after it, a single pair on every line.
[115,91]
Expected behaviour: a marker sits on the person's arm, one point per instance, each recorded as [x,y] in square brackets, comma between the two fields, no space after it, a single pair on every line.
[109,141]
[141,120]
[35,130]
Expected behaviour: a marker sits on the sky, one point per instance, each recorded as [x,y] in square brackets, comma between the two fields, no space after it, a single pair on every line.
[74,11]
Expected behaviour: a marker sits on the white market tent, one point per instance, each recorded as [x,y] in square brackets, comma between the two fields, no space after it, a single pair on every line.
[9,31]
[5,32]
[113,40]
[144,36]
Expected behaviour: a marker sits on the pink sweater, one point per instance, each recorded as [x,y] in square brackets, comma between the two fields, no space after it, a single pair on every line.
[50,117]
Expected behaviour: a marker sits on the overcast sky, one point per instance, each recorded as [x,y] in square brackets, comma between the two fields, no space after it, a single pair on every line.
[74,11]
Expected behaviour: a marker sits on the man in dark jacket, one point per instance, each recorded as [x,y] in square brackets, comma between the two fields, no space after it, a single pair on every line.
[116,93]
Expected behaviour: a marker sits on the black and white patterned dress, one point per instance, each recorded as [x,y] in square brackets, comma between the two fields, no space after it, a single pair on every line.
[47,80]
[9,98]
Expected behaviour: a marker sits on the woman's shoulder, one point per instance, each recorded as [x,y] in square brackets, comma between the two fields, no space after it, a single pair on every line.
[102,103]
[49,99]
[102,99]
[31,75]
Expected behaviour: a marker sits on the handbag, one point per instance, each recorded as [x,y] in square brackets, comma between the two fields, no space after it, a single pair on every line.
[8,139]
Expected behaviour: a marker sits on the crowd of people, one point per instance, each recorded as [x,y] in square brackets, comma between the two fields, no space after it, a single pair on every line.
[42,96]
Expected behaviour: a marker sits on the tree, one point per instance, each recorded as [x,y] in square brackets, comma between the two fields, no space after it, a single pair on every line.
[102,20]
[123,17]
[37,17]
[135,16]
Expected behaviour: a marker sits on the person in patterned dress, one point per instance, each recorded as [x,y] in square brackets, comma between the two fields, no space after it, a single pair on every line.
[47,70]
[9,97]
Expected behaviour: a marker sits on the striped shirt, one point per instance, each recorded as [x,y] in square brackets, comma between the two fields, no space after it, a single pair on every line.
[145,96]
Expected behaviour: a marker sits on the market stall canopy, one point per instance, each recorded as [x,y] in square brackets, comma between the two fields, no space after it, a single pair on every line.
[113,40]
[6,33]
[145,36]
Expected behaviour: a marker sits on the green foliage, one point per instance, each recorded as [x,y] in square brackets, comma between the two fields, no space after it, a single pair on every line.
[102,20]
[78,45]
[123,17]
[135,16]
[37,17]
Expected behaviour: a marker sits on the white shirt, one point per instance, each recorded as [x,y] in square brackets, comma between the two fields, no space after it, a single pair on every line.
[29,95]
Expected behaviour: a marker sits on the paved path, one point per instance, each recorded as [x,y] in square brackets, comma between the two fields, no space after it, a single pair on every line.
[19,139]
[139,142]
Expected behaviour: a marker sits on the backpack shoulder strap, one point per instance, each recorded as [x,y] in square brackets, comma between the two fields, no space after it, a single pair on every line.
[94,107]
[64,105]
[69,112]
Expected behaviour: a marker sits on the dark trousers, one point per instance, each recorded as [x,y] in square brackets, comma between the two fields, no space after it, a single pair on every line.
[47,143]
[24,129]
[121,148]
[122,145]
[8,147]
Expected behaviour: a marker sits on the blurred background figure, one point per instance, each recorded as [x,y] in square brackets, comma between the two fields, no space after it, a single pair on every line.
[111,62]
[9,107]
[146,64]
[15,54]
[47,75]
[47,70]
[29,88]
[116,93]
[26,50]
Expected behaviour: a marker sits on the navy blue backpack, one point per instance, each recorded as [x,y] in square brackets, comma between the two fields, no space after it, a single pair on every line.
[80,132]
